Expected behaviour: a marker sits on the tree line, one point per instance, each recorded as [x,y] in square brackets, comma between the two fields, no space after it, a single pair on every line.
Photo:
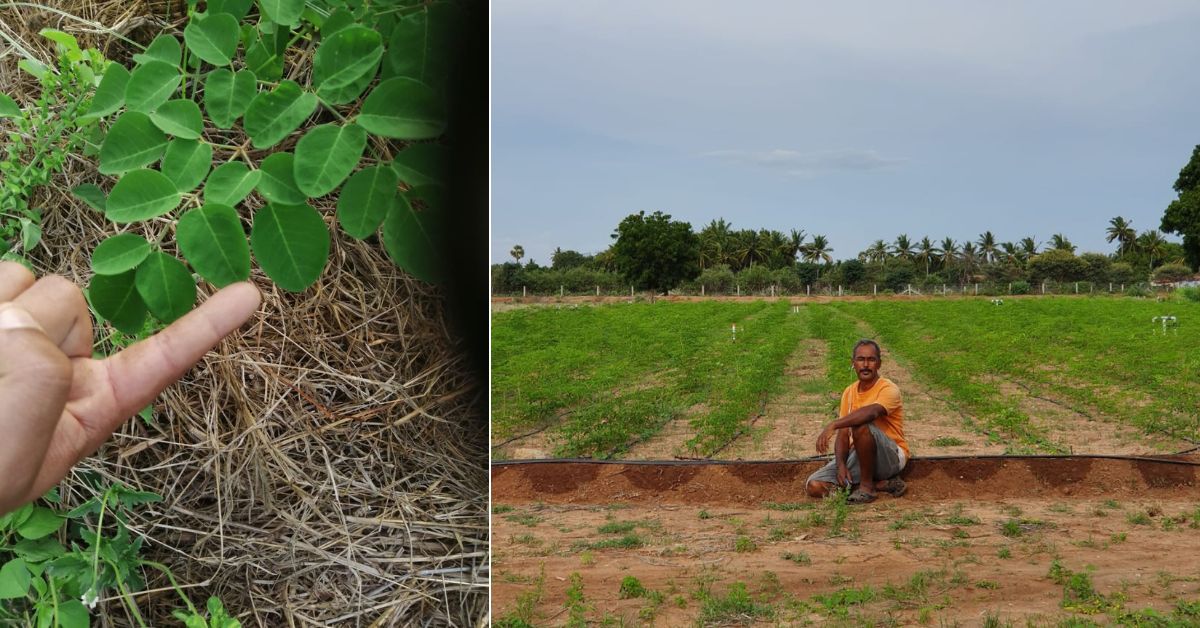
[654,252]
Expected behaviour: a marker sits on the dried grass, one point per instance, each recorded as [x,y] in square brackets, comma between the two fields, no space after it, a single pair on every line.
[320,467]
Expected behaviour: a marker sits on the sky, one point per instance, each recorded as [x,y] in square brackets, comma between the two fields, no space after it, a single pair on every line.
[858,121]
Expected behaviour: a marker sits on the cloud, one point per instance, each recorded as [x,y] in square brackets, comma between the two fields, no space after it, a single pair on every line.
[808,164]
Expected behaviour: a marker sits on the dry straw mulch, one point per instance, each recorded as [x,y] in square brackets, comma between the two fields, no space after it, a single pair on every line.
[322,466]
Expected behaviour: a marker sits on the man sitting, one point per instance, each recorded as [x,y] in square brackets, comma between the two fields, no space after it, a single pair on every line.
[869,448]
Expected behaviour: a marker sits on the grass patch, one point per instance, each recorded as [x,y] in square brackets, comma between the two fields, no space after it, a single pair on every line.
[628,541]
[800,558]
[736,606]
[948,441]
[617,527]
[838,603]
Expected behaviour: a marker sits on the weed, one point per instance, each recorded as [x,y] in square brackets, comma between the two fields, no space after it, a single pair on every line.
[499,509]
[617,527]
[680,601]
[1060,507]
[1004,552]
[1118,537]
[788,506]
[987,584]
[744,544]
[524,612]
[1011,528]
[800,558]
[704,514]
[735,606]
[839,602]
[527,520]
[631,587]
[1138,518]
[629,541]
[526,539]
[1111,504]
[948,441]
[587,559]
[576,604]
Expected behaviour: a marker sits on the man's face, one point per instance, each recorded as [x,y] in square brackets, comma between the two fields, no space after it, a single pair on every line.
[866,363]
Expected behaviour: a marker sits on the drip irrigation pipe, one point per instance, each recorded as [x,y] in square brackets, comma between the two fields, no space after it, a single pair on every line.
[508,463]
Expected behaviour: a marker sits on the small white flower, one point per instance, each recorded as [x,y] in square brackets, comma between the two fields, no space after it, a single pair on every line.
[90,598]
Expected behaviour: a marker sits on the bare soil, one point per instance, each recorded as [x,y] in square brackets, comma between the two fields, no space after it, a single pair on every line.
[972,538]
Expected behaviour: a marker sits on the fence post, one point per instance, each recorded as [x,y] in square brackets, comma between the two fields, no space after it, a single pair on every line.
[739,289]
[701,289]
[1076,287]
[808,290]
[1010,287]
[874,290]
[1122,287]
[1043,287]
[631,292]
[523,291]
[560,290]
[597,289]
[976,289]
[1110,286]
[839,290]
[772,291]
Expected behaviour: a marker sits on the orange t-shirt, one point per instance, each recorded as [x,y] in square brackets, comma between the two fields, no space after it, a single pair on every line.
[886,394]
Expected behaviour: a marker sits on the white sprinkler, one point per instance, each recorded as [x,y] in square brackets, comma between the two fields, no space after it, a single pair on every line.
[1167,321]
[997,301]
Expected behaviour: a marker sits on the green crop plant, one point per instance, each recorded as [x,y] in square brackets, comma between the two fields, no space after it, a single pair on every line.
[41,137]
[46,583]
[260,112]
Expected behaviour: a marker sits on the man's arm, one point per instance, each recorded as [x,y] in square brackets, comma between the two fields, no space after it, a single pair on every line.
[861,416]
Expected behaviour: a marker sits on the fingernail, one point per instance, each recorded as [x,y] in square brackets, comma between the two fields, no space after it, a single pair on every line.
[13,317]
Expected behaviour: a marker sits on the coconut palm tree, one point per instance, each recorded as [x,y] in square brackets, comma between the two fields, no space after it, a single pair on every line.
[968,261]
[1010,253]
[926,251]
[1029,248]
[750,247]
[715,243]
[903,248]
[779,248]
[1060,242]
[949,251]
[1123,232]
[987,247]
[818,250]
[877,253]
[1152,244]
[796,241]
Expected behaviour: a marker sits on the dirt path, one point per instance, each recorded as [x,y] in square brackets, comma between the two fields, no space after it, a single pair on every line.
[1019,540]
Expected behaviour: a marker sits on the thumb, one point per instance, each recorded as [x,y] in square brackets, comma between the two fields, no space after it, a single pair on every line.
[35,377]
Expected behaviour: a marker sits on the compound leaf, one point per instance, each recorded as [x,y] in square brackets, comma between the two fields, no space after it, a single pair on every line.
[291,244]
[187,163]
[278,183]
[273,115]
[166,286]
[163,48]
[366,199]
[422,164]
[346,56]
[212,240]
[286,12]
[403,108]
[14,579]
[417,47]
[116,299]
[150,85]
[227,95]
[236,8]
[179,117]
[120,253]
[347,93]
[132,142]
[326,155]
[141,195]
[230,183]
[110,95]
[213,38]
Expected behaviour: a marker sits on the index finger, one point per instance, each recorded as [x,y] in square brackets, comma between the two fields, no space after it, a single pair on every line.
[140,372]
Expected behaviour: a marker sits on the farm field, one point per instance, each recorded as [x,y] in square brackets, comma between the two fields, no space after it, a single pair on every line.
[1032,375]
[1072,542]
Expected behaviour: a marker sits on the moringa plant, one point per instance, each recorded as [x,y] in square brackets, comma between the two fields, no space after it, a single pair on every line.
[193,129]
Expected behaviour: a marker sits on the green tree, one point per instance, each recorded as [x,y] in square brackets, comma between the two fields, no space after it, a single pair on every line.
[926,253]
[987,247]
[655,252]
[1058,265]
[1122,232]
[1154,246]
[517,253]
[1060,242]
[948,253]
[818,250]
[1182,216]
[563,260]
[903,248]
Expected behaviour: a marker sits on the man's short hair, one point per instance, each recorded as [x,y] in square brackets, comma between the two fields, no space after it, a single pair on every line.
[866,342]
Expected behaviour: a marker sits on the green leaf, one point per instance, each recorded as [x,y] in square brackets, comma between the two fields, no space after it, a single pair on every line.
[230,183]
[110,95]
[413,240]
[418,46]
[166,286]
[405,109]
[213,38]
[187,163]
[422,164]
[31,234]
[42,523]
[38,550]
[180,118]
[227,95]
[211,238]
[273,115]
[91,194]
[326,155]
[67,44]
[36,69]
[14,579]
[119,254]
[8,107]
[164,48]
[286,12]
[115,298]
[150,85]
[141,195]
[345,94]
[291,244]
[236,8]
[339,19]
[264,62]
[72,614]
[366,199]
[278,183]
[346,56]
[133,142]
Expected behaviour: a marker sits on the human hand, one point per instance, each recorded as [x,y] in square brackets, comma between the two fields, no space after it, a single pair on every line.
[843,476]
[57,404]
[823,439]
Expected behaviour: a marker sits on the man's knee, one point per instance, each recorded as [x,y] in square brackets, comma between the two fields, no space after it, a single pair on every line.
[817,488]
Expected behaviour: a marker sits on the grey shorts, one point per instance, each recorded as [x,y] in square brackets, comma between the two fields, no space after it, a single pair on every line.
[887,461]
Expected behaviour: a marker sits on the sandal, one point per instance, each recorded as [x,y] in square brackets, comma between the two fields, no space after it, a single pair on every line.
[859,497]
[894,487]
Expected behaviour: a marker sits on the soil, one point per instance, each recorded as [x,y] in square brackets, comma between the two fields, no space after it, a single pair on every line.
[973,537]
